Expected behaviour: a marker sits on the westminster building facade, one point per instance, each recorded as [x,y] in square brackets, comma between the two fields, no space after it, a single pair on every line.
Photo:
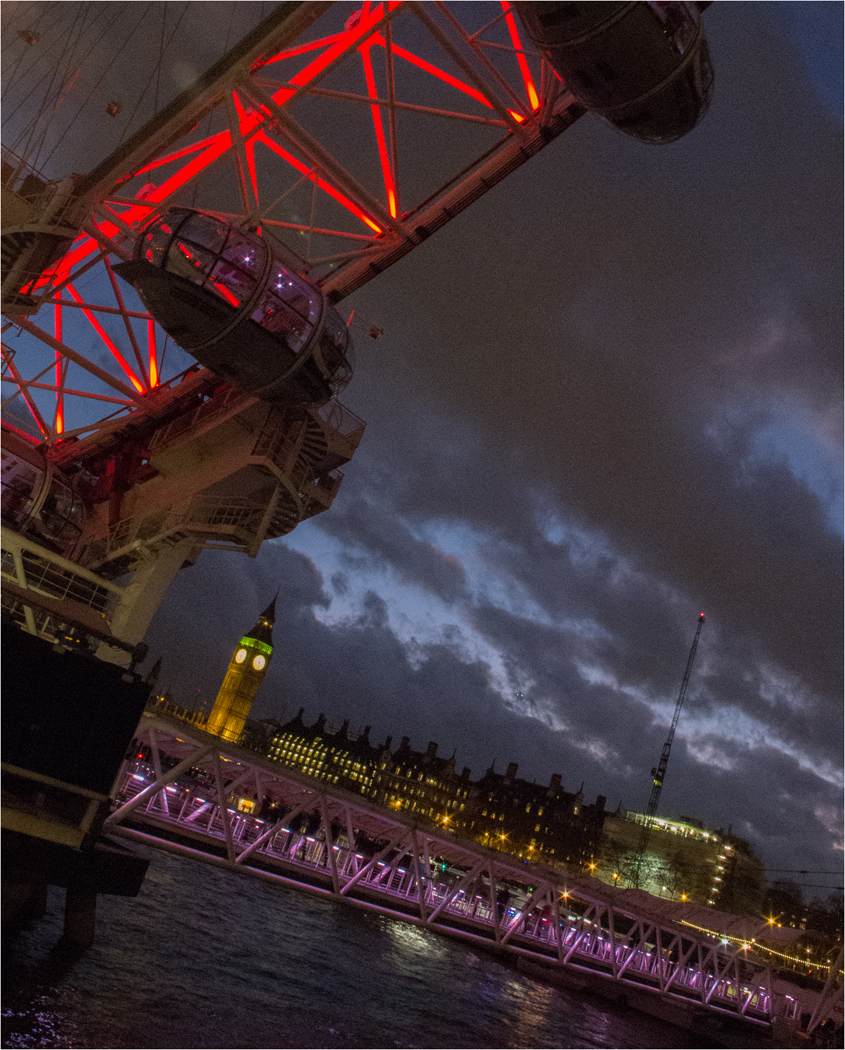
[535,822]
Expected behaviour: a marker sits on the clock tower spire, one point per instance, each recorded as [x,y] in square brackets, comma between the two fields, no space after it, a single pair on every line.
[244,675]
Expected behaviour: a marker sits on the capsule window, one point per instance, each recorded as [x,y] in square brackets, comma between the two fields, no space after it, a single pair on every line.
[245,254]
[204,230]
[62,514]
[189,261]
[231,282]
[678,24]
[582,79]
[334,340]
[335,332]
[19,484]
[607,71]
[301,296]
[274,315]
[560,13]
[156,242]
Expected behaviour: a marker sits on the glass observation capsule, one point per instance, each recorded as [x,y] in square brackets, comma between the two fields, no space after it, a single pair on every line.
[38,501]
[222,294]
[645,67]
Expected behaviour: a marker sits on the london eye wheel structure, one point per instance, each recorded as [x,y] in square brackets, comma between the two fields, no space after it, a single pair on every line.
[341,139]
[348,145]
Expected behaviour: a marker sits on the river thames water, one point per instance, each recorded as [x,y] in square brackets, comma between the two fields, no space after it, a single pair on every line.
[204,958]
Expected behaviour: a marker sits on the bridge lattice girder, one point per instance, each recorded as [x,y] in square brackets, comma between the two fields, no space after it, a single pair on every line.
[391,862]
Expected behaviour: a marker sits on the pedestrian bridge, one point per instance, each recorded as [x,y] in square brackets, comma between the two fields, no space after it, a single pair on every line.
[189,792]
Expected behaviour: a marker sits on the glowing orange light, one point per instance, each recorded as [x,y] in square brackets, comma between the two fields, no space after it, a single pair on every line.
[153,354]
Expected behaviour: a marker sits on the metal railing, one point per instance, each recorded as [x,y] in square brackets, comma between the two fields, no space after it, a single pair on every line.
[34,568]
[279,825]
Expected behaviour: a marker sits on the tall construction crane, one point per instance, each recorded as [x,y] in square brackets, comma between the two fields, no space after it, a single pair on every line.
[659,774]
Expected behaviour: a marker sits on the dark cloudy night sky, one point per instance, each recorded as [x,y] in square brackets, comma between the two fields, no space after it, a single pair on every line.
[608,397]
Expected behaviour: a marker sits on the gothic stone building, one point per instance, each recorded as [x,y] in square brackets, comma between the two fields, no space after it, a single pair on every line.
[532,821]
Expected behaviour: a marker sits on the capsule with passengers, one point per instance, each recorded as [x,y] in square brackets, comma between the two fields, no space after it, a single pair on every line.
[224,296]
[645,67]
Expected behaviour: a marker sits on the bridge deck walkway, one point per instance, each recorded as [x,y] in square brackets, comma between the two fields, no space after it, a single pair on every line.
[330,841]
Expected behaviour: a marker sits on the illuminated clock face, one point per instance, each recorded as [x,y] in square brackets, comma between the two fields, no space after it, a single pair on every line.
[259,662]
[240,656]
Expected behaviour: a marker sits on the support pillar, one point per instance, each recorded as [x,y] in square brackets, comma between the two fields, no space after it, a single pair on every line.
[80,918]
[151,576]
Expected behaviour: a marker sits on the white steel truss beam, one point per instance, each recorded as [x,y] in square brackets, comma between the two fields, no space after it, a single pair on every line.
[523,913]
[143,796]
[403,878]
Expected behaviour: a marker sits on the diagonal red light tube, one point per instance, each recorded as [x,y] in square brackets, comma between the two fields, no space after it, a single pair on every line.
[533,98]
[101,332]
[263,137]
[59,420]
[153,353]
[381,142]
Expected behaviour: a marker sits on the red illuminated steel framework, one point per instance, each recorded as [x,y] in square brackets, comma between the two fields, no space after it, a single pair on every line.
[340,141]
[437,110]
[344,146]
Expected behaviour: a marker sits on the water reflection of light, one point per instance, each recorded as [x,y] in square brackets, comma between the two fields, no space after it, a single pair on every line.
[414,939]
[526,1006]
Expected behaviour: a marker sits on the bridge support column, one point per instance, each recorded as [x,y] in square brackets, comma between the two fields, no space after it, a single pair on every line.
[80,918]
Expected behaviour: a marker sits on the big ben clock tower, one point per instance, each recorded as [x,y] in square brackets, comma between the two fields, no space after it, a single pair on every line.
[244,675]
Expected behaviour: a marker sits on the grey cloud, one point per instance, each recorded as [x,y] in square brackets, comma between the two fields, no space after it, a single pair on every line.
[604,335]
[387,542]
